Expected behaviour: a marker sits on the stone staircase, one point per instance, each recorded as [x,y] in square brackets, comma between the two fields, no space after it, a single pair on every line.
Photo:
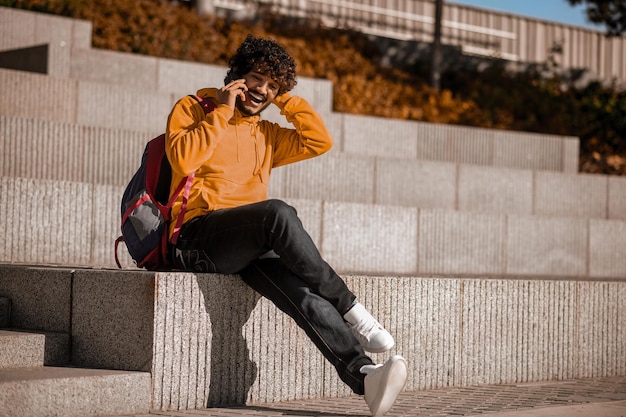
[37,378]
[484,252]
[64,391]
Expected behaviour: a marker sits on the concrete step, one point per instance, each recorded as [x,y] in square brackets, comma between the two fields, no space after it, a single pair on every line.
[83,102]
[21,350]
[110,156]
[24,349]
[343,177]
[23,28]
[208,339]
[67,392]
[377,136]
[41,40]
[69,151]
[362,237]
[101,155]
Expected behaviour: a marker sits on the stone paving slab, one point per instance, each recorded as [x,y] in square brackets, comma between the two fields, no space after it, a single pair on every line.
[610,409]
[598,397]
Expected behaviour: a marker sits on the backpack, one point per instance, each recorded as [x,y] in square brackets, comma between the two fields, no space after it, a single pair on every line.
[146,206]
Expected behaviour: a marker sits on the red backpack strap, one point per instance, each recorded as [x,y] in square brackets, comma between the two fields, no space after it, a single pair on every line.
[207,105]
[183,208]
[117,243]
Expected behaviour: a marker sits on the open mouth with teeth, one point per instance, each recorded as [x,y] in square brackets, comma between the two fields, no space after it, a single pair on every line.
[256,98]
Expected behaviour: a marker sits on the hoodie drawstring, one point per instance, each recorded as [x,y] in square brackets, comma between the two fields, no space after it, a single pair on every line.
[257,165]
[253,132]
[237,136]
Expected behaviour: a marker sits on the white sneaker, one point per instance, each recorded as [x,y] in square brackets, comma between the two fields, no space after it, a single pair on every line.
[383,384]
[372,336]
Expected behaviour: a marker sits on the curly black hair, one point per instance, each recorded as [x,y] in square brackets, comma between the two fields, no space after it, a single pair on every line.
[267,57]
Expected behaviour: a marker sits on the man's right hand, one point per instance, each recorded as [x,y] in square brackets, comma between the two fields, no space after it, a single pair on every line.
[229,93]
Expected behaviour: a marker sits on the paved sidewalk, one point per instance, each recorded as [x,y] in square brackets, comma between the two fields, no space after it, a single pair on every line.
[599,397]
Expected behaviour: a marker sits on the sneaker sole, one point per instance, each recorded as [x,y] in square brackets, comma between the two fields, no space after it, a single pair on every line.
[395,387]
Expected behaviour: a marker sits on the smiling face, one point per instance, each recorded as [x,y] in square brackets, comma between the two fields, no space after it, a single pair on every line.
[262,91]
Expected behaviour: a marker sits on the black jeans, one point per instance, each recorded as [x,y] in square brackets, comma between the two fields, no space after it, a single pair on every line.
[298,281]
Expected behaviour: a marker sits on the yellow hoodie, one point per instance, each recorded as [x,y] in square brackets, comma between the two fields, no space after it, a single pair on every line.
[233,155]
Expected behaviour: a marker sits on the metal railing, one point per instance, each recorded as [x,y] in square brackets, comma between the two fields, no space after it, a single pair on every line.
[383,11]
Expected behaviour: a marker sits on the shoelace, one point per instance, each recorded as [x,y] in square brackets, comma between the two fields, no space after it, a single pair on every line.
[366,327]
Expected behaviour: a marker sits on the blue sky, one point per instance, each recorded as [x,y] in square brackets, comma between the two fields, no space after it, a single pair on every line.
[554,10]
